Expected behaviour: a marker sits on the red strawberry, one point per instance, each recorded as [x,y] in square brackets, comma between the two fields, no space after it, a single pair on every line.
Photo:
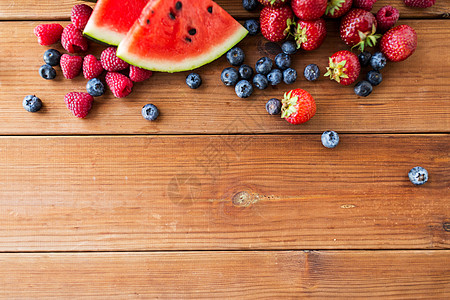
[276,22]
[364,4]
[308,10]
[72,39]
[338,8]
[79,103]
[71,65]
[399,43]
[309,35]
[111,62]
[358,29]
[119,84]
[92,67]
[298,106]
[420,3]
[80,15]
[386,17]
[273,3]
[48,34]
[344,67]
[138,74]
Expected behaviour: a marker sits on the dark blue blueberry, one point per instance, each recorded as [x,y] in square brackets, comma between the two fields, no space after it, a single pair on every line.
[260,81]
[363,88]
[330,139]
[243,89]
[52,57]
[364,58]
[150,112]
[246,72]
[283,61]
[273,106]
[32,103]
[263,65]
[275,77]
[229,76]
[95,87]
[289,76]
[418,175]
[378,61]
[311,72]
[194,81]
[47,72]
[374,77]
[235,56]
[250,5]
[252,26]
[289,47]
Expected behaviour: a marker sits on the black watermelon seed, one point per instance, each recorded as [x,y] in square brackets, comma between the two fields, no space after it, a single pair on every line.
[188,39]
[148,21]
[172,15]
[178,5]
[210,9]
[192,31]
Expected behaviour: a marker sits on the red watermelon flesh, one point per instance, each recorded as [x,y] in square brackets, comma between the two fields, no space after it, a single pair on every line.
[179,35]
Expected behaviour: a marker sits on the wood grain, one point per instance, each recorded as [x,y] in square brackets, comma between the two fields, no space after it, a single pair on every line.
[230,275]
[222,192]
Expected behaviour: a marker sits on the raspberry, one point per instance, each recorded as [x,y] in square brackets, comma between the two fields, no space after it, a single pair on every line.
[364,4]
[48,34]
[79,103]
[119,84]
[80,15]
[71,65]
[92,67]
[138,74]
[72,39]
[386,17]
[111,62]
[420,3]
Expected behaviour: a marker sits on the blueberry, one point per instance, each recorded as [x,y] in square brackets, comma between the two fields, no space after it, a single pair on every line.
[289,76]
[283,61]
[273,106]
[364,58]
[252,26]
[150,112]
[47,72]
[229,76]
[243,89]
[378,61]
[330,139]
[246,72]
[235,56]
[250,5]
[52,57]
[260,81]
[418,175]
[275,77]
[194,81]
[363,88]
[32,103]
[263,65]
[95,87]
[289,47]
[311,72]
[374,77]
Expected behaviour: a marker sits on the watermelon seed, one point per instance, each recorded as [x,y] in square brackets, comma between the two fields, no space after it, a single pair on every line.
[192,31]
[188,39]
[172,15]
[210,9]
[148,21]
[178,5]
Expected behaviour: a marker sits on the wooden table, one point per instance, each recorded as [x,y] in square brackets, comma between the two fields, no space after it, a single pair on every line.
[217,199]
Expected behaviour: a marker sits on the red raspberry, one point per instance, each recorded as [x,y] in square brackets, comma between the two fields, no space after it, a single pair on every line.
[72,39]
[111,62]
[80,15]
[364,4]
[138,74]
[386,17]
[92,67]
[79,103]
[48,34]
[71,65]
[119,84]
[420,3]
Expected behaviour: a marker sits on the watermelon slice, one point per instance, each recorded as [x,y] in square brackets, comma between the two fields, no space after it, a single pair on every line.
[180,35]
[111,19]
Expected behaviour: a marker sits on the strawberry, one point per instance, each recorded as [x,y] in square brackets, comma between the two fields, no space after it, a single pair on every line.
[399,43]
[80,15]
[386,17]
[309,35]
[276,22]
[111,62]
[92,67]
[364,4]
[138,74]
[71,65]
[119,84]
[420,3]
[79,103]
[273,3]
[308,10]
[358,29]
[343,67]
[48,34]
[72,39]
[338,8]
[298,106]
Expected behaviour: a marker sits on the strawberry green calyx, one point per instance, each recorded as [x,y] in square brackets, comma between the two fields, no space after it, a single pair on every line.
[272,2]
[289,24]
[300,35]
[333,5]
[367,39]
[288,105]
[336,71]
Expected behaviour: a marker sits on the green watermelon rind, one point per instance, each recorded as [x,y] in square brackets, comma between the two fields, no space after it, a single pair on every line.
[102,34]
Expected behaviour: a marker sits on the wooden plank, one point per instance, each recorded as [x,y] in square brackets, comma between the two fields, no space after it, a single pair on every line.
[222,192]
[230,275]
